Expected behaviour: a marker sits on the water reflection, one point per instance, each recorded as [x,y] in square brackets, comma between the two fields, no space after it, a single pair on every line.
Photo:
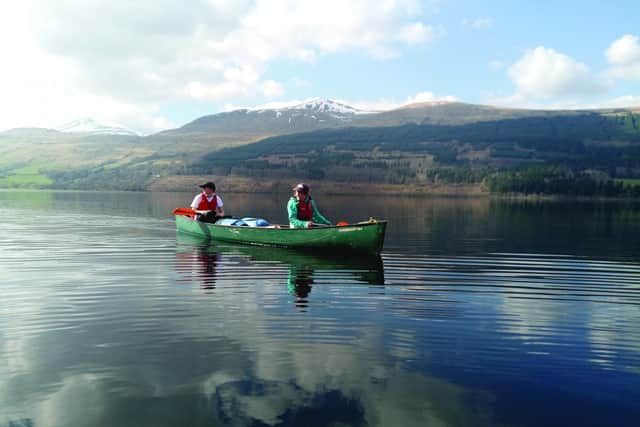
[198,263]
[299,284]
[199,258]
[238,404]
[483,313]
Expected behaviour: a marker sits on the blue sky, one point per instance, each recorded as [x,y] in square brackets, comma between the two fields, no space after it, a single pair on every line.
[153,65]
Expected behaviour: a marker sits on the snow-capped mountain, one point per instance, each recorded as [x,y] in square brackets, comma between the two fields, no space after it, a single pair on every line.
[276,119]
[92,127]
[318,105]
[279,118]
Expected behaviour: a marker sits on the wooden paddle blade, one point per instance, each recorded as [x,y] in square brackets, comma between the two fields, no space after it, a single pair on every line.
[184,211]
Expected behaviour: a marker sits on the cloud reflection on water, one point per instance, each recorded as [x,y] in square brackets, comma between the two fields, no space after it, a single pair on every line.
[110,322]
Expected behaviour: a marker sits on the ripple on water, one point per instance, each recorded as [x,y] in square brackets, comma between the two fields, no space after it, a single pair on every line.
[103,294]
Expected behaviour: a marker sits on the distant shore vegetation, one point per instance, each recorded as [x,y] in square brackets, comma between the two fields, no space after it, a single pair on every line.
[585,154]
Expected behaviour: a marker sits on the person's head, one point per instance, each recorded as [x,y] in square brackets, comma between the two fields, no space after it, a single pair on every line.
[301,191]
[208,188]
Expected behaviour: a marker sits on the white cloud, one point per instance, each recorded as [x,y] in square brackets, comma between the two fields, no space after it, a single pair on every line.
[480,23]
[149,54]
[305,55]
[624,51]
[298,82]
[416,33]
[619,102]
[545,73]
[271,89]
[430,97]
[234,81]
[160,123]
[626,101]
[624,56]
[386,104]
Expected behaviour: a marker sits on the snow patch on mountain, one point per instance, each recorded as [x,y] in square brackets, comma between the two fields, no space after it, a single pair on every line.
[92,127]
[326,106]
[318,105]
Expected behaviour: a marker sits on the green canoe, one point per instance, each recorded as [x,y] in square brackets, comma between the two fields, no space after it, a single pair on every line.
[367,236]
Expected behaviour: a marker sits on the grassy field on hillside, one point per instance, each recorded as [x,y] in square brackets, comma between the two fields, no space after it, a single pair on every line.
[629,181]
[25,181]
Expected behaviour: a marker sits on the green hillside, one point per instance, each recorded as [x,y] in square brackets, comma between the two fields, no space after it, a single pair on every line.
[427,154]
[420,144]
[64,160]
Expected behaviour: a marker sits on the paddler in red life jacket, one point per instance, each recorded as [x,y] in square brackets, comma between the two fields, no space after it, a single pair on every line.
[208,205]
[302,209]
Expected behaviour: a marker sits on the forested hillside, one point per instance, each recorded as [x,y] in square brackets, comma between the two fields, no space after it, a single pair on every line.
[503,150]
[587,147]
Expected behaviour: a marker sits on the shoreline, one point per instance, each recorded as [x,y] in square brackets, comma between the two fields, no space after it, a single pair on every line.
[240,184]
[245,185]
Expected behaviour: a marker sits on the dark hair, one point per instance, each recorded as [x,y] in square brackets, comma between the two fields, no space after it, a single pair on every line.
[302,188]
[210,185]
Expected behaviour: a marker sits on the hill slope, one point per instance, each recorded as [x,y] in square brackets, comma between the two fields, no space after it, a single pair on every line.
[327,114]
[308,116]
[322,139]
[425,153]
[91,127]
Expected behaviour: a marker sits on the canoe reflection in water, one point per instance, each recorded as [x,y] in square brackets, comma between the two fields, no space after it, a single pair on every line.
[299,284]
[198,263]
[199,258]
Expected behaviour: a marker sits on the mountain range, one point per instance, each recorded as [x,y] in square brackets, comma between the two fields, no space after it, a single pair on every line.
[321,113]
[325,139]
[90,126]
[315,114]
[310,115]
[84,126]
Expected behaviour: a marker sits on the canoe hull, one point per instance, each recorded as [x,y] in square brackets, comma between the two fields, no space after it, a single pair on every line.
[363,237]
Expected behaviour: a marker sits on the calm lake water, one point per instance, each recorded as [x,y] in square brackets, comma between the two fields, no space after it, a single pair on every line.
[479,312]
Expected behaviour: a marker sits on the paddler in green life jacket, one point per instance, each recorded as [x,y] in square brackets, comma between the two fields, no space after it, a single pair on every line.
[302,209]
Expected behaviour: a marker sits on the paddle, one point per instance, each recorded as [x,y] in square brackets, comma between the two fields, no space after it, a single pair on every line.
[184,211]
[340,224]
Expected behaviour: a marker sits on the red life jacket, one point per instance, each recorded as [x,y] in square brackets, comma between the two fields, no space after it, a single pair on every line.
[305,210]
[206,205]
